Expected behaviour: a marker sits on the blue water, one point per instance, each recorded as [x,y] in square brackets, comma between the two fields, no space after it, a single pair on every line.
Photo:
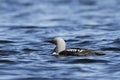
[25,25]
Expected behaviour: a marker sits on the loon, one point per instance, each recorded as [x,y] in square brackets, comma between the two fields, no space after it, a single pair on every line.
[61,50]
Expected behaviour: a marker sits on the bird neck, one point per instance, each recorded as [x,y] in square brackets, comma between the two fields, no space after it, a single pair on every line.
[60,47]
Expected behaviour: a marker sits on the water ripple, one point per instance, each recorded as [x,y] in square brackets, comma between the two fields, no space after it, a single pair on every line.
[6,41]
[8,52]
[7,61]
[26,24]
[87,61]
[111,49]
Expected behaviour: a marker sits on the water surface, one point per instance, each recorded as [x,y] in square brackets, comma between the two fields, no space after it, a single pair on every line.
[26,25]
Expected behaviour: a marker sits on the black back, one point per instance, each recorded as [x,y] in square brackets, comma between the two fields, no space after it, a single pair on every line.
[79,52]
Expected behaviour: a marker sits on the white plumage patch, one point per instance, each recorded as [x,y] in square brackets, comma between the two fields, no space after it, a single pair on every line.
[75,50]
[54,53]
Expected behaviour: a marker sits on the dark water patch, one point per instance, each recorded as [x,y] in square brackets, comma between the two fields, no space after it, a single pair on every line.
[87,61]
[13,2]
[34,78]
[51,61]
[27,26]
[7,61]
[27,4]
[6,41]
[31,27]
[111,49]
[106,40]
[21,27]
[58,19]
[24,62]
[59,2]
[31,31]
[7,52]
[83,36]
[86,2]
[29,49]
[34,44]
[44,78]
[71,40]
[71,60]
[117,41]
[85,42]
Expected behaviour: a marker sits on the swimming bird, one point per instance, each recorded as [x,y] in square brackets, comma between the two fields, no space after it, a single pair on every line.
[61,50]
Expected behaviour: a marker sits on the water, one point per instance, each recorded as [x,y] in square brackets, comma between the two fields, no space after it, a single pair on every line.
[25,26]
